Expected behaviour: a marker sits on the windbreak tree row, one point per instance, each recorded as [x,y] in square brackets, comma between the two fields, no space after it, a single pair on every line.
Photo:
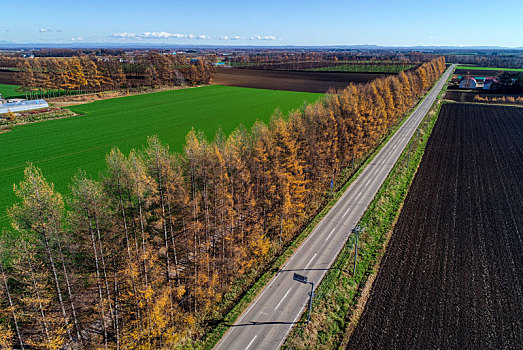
[50,77]
[144,257]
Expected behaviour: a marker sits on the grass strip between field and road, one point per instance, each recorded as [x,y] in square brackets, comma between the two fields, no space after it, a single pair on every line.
[490,68]
[341,296]
[240,297]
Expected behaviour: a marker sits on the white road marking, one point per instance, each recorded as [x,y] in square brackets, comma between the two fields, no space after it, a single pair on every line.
[310,261]
[330,233]
[367,184]
[414,119]
[252,341]
[283,298]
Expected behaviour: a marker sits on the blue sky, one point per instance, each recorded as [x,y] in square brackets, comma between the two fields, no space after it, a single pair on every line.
[268,22]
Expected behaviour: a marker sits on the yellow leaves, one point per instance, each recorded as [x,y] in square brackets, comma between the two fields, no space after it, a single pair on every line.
[180,291]
[6,335]
[190,320]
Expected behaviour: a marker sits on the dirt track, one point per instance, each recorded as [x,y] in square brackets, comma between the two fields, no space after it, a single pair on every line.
[452,276]
[289,80]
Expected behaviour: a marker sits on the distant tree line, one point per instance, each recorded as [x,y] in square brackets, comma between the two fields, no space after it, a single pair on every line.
[500,61]
[54,52]
[295,60]
[508,82]
[49,77]
[144,257]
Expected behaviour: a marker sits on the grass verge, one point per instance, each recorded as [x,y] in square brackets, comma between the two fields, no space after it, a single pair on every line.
[341,296]
[490,68]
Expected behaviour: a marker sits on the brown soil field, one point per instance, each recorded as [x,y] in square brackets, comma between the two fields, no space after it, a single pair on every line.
[6,77]
[289,80]
[467,96]
[478,72]
[452,276]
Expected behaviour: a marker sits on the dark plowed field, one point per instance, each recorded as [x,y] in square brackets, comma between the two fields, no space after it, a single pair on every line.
[452,276]
[6,77]
[289,80]
[478,72]
[465,96]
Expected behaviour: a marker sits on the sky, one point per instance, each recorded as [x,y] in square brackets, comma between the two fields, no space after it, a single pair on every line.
[265,23]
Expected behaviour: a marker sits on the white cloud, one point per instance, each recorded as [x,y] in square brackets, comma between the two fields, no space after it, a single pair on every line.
[164,35]
[78,38]
[124,35]
[260,37]
[227,37]
[43,30]
[167,35]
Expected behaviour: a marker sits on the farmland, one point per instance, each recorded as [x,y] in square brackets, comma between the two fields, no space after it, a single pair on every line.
[452,274]
[9,91]
[6,77]
[60,147]
[475,68]
[365,68]
[290,80]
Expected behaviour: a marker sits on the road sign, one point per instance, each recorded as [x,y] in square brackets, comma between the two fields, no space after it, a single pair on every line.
[299,278]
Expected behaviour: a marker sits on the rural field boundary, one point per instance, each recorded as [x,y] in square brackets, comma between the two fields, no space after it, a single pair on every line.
[454,262]
[347,178]
[341,296]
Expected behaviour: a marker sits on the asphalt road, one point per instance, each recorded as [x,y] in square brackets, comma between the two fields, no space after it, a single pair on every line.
[270,317]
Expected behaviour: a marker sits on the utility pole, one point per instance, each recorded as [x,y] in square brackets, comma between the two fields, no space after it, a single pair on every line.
[408,155]
[310,301]
[356,230]
[303,279]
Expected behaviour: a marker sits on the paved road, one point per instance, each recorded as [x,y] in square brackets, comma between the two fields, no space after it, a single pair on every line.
[268,320]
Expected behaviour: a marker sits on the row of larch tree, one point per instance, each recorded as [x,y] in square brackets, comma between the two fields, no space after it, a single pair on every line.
[51,77]
[143,257]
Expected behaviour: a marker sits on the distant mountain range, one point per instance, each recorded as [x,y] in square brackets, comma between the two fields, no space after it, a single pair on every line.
[76,45]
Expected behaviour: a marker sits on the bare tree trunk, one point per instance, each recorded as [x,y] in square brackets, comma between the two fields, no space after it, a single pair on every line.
[57,284]
[40,306]
[104,269]
[165,235]
[75,319]
[117,323]
[173,243]
[98,281]
[11,306]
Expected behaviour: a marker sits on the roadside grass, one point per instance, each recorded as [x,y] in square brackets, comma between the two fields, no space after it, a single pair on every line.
[490,68]
[340,298]
[61,146]
[245,289]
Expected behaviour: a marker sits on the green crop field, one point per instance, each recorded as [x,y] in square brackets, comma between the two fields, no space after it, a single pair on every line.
[365,68]
[60,147]
[9,91]
[490,68]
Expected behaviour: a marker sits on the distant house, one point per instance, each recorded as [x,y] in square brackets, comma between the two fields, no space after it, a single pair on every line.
[468,83]
[488,82]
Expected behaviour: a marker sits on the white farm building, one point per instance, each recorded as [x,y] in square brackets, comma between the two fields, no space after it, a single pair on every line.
[468,83]
[20,106]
